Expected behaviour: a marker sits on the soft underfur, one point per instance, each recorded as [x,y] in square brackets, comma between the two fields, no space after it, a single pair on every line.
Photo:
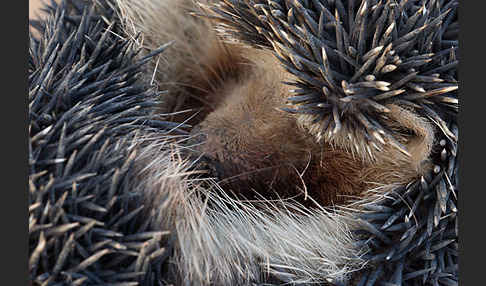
[237,90]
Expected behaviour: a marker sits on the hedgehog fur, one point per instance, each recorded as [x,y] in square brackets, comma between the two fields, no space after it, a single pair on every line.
[113,200]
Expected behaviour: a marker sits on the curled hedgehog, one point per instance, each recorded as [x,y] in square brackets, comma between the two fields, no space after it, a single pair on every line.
[240,142]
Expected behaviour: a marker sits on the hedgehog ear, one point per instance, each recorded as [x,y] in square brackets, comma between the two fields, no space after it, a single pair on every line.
[414,132]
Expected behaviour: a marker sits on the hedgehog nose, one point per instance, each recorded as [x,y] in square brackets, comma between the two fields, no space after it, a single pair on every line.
[203,164]
[208,167]
[197,137]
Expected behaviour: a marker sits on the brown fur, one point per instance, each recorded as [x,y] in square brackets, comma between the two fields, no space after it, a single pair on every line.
[258,145]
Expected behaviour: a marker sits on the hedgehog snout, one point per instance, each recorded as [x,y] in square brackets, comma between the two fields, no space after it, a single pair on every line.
[204,165]
[235,162]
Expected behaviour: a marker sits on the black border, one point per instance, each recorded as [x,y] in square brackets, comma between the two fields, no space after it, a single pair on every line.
[472,125]
[15,43]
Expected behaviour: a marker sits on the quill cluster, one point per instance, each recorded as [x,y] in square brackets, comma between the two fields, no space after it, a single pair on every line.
[87,99]
[353,58]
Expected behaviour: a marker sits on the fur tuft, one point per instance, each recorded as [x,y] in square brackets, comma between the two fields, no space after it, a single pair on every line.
[229,242]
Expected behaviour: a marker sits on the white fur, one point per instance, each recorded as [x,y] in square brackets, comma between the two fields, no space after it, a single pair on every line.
[222,241]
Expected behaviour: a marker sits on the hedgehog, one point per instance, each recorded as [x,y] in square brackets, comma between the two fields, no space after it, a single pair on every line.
[240,142]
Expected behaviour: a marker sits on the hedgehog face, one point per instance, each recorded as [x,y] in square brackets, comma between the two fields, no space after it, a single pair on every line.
[246,138]
[255,149]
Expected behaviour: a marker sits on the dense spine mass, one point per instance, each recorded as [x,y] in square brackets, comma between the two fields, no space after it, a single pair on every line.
[87,98]
[413,230]
[352,58]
